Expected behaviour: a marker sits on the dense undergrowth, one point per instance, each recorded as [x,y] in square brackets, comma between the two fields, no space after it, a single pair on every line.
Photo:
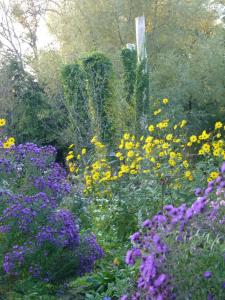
[148,185]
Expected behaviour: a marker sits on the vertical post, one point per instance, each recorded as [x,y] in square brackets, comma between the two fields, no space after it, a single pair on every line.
[140,38]
[142,76]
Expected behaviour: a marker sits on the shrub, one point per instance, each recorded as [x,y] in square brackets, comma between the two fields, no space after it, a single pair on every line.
[36,233]
[179,253]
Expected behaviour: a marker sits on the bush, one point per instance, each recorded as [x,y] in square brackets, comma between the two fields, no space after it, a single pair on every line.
[36,233]
[180,251]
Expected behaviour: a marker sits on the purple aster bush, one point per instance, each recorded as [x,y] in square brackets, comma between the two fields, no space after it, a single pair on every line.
[39,239]
[180,252]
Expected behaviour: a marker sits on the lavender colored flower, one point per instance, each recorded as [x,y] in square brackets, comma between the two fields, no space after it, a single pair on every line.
[207,274]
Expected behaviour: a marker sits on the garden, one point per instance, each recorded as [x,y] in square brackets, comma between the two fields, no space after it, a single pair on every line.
[112,150]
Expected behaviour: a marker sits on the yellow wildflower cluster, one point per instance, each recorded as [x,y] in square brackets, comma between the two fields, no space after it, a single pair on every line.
[9,142]
[71,157]
[165,152]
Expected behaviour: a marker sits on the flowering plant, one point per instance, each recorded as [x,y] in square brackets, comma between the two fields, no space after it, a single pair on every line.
[179,253]
[35,231]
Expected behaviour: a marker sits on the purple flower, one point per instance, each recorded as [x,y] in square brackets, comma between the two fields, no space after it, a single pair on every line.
[207,274]
[198,191]
[135,236]
[160,280]
[223,168]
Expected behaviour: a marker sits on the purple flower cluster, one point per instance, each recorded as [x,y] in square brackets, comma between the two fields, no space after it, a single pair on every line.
[91,252]
[150,248]
[35,231]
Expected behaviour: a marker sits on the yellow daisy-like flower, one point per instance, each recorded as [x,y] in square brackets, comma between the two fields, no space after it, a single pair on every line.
[172,162]
[69,157]
[172,154]
[169,137]
[118,154]
[206,148]
[83,151]
[71,146]
[165,146]
[126,136]
[218,125]
[185,164]
[151,128]
[214,175]
[193,139]
[165,101]
[72,169]
[2,122]
[130,153]
[216,152]
[96,176]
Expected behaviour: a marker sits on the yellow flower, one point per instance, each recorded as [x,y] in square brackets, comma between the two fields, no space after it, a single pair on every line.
[175,127]
[158,165]
[151,128]
[78,156]
[193,139]
[214,175]
[129,145]
[83,151]
[11,140]
[185,164]
[71,146]
[218,125]
[183,123]
[216,152]
[95,176]
[172,162]
[156,112]
[152,159]
[2,122]
[189,144]
[161,154]
[218,135]
[206,148]
[6,145]
[118,154]
[124,168]
[69,157]
[149,139]
[130,153]
[126,136]
[72,169]
[200,152]
[188,175]
[172,154]
[169,137]
[165,101]
[165,146]
[205,135]
[94,139]
[133,172]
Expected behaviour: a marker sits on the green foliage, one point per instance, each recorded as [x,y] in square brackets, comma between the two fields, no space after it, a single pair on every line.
[129,61]
[203,252]
[111,278]
[29,114]
[74,84]
[99,73]
[141,95]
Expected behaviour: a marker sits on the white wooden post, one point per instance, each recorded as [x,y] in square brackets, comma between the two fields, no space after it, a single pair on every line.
[140,38]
